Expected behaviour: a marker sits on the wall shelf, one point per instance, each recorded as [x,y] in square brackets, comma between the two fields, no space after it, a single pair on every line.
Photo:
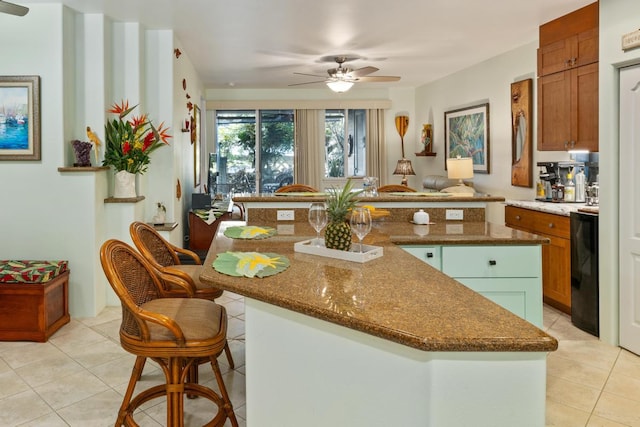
[124,199]
[83,168]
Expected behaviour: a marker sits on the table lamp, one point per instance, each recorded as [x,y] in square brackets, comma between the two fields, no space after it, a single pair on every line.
[460,168]
[404,168]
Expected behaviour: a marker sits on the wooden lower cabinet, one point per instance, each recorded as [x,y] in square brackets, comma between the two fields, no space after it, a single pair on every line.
[556,256]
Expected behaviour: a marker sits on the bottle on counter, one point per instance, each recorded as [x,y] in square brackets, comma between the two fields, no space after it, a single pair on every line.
[570,189]
[540,194]
[580,186]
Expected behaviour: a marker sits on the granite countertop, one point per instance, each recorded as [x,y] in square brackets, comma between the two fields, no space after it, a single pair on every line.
[394,297]
[382,197]
[563,209]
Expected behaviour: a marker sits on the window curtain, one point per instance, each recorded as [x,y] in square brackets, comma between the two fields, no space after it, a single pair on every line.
[309,147]
[376,152]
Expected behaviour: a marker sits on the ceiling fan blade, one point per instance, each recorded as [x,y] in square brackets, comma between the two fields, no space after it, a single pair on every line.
[13,9]
[378,79]
[307,83]
[363,71]
[312,75]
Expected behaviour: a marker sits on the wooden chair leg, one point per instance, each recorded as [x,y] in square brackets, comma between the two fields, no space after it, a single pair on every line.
[227,351]
[227,406]
[136,373]
[175,392]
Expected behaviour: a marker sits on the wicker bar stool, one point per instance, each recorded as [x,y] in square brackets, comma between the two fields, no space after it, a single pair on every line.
[174,332]
[163,256]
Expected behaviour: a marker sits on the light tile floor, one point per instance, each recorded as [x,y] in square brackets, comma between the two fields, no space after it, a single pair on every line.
[78,377]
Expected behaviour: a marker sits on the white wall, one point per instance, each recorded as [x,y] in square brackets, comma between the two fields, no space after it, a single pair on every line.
[86,62]
[184,153]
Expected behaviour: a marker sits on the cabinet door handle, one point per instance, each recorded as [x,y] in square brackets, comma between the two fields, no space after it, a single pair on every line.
[429,254]
[551,225]
[567,62]
[492,262]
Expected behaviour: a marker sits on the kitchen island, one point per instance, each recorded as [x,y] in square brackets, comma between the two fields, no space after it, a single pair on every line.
[389,342]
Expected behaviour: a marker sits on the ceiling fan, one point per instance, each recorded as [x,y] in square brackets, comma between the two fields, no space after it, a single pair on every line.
[13,9]
[342,78]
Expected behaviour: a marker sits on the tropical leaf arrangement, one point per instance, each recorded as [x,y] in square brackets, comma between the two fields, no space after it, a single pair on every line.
[249,232]
[129,142]
[250,264]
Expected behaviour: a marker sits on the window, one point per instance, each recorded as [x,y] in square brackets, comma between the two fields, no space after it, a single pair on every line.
[345,156]
[246,162]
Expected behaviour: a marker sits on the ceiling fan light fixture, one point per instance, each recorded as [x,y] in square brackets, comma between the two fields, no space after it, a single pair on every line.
[339,85]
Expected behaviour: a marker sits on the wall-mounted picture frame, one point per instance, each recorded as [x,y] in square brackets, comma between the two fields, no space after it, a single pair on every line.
[195,140]
[466,133]
[20,118]
[521,133]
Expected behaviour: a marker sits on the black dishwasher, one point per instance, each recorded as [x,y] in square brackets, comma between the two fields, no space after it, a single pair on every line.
[584,272]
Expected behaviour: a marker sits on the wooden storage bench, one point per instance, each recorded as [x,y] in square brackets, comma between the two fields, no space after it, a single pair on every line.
[34,299]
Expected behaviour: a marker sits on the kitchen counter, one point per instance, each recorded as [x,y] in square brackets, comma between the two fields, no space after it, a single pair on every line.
[395,280]
[327,339]
[563,209]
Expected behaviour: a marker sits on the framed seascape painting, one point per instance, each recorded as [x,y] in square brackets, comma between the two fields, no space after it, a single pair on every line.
[19,117]
[467,135]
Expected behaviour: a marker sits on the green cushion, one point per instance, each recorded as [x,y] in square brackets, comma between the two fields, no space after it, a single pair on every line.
[25,271]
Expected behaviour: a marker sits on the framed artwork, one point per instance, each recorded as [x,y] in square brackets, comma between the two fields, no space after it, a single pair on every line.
[19,117]
[521,131]
[195,140]
[466,133]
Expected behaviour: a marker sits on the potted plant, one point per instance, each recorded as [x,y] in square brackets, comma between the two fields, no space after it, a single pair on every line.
[129,143]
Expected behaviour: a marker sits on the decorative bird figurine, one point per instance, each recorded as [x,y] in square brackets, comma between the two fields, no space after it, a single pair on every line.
[94,139]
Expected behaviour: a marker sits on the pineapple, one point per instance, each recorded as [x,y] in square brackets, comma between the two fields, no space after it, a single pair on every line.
[337,235]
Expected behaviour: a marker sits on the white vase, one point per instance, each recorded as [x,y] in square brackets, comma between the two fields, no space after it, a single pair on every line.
[125,185]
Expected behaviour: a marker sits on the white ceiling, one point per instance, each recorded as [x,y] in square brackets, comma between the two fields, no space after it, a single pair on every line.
[261,43]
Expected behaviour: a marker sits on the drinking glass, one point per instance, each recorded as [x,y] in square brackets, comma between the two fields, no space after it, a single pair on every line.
[361,223]
[318,218]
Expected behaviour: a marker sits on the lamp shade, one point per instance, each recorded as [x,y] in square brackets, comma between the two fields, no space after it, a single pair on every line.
[404,168]
[339,85]
[460,168]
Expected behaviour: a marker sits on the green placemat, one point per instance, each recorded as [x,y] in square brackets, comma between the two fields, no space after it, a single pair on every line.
[249,232]
[250,264]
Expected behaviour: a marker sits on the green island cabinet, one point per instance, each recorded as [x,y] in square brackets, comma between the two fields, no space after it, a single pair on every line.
[510,276]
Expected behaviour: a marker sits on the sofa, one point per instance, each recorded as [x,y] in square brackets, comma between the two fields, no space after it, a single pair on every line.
[440,183]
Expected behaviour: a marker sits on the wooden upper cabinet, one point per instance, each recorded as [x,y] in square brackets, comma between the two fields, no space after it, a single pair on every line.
[573,51]
[568,82]
[568,110]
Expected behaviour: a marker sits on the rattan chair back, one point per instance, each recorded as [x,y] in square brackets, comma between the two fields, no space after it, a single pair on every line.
[296,188]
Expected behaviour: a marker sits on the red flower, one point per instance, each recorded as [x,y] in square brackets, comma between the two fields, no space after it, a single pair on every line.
[138,121]
[126,147]
[122,109]
[162,133]
[148,140]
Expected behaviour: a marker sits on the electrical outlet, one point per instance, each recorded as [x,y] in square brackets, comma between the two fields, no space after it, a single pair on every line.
[285,215]
[455,214]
